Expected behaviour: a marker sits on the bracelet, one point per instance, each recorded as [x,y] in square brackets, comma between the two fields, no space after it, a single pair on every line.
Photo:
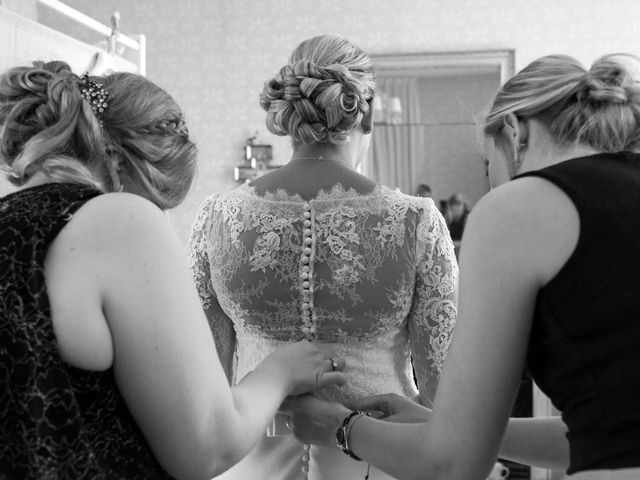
[342,435]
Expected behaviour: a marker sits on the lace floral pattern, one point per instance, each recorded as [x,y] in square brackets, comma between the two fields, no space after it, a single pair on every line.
[57,421]
[384,279]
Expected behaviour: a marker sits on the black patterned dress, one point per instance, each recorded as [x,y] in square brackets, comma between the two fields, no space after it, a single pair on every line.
[56,421]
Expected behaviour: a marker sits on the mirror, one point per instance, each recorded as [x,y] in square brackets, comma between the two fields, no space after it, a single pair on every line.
[425,120]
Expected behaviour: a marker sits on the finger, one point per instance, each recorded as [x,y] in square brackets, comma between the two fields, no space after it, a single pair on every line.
[331,378]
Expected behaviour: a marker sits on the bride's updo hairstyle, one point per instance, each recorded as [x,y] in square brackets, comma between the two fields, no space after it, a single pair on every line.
[48,126]
[322,93]
[599,107]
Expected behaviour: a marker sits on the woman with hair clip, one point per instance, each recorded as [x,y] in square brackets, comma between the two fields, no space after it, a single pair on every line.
[108,368]
[549,276]
[316,251]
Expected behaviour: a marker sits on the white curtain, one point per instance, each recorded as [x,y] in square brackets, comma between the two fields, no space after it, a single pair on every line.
[397,150]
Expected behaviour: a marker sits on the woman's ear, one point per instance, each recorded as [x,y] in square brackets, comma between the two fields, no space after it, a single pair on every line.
[516,132]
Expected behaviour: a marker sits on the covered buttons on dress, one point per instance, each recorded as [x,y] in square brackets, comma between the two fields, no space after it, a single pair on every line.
[309,318]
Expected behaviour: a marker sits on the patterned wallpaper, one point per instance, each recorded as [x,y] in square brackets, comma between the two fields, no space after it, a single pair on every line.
[214,55]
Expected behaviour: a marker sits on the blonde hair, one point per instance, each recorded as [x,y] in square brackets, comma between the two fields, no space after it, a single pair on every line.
[322,93]
[146,131]
[46,125]
[599,107]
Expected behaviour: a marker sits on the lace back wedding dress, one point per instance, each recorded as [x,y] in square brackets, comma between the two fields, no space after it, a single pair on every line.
[370,277]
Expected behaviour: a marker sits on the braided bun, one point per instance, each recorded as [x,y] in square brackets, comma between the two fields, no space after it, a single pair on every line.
[322,94]
[145,130]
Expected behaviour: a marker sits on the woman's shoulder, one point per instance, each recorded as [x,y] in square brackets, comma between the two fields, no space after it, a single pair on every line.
[119,219]
[122,206]
[529,220]
[518,203]
[524,195]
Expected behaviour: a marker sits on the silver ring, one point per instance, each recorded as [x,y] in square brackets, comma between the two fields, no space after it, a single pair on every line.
[334,364]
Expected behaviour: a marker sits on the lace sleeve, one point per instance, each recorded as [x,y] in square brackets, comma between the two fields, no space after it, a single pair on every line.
[433,311]
[198,258]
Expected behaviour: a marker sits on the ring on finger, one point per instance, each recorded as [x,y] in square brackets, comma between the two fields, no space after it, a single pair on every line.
[334,364]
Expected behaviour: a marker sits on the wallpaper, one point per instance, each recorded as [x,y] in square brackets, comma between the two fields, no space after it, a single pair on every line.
[215,55]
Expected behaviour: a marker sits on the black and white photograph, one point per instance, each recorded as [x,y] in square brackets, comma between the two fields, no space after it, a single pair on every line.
[320,240]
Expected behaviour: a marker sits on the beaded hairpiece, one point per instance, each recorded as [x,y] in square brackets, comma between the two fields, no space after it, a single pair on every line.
[95,95]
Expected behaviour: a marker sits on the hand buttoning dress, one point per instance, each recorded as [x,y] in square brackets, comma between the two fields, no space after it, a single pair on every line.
[370,276]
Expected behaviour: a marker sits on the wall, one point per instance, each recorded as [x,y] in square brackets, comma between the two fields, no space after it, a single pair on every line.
[214,55]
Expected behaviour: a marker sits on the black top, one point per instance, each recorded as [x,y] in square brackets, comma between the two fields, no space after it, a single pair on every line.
[56,421]
[584,351]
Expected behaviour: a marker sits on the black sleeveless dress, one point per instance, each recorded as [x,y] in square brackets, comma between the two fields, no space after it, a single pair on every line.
[584,350]
[56,421]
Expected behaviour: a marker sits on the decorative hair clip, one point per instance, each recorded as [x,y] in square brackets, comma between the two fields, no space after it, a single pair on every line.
[94,93]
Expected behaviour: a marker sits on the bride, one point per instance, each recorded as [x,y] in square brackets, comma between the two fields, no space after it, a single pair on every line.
[316,251]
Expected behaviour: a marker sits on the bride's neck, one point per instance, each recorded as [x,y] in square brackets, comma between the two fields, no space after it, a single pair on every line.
[324,151]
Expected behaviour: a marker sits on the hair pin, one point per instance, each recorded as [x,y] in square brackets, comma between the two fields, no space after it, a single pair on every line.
[95,94]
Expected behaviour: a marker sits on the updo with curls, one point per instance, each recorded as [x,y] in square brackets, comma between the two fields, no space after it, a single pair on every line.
[599,107]
[322,93]
[47,126]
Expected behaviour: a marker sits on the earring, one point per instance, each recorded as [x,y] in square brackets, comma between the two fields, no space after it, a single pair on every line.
[517,159]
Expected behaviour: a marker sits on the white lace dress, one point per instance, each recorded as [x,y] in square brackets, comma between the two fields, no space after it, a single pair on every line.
[371,277]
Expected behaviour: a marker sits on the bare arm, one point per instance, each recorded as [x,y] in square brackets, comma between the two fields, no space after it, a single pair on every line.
[517,238]
[539,442]
[165,359]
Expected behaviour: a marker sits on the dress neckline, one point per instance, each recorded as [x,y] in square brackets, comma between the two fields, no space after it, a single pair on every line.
[336,192]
